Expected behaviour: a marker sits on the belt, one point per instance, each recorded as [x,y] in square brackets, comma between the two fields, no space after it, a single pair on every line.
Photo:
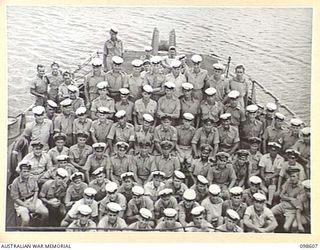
[24,199]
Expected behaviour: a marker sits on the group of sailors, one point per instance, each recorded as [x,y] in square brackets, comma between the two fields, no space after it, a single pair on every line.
[166,147]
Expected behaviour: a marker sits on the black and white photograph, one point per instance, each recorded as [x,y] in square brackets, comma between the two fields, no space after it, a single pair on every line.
[158,119]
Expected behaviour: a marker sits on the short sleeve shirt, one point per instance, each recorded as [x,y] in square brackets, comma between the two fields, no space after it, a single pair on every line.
[141,108]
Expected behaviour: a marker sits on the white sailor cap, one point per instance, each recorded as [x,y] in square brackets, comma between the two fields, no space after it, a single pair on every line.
[66,102]
[137,63]
[126,174]
[111,187]
[274,144]
[24,163]
[89,191]
[306,184]
[102,85]
[202,179]
[187,86]
[233,214]
[158,173]
[252,108]
[81,110]
[175,64]
[296,122]
[62,172]
[218,66]
[117,60]
[196,211]
[225,116]
[62,157]
[99,145]
[148,117]
[196,59]
[77,175]
[169,85]
[122,144]
[210,91]
[98,171]
[124,91]
[104,110]
[114,207]
[188,116]
[52,104]
[279,116]
[291,151]
[170,212]
[234,94]
[148,48]
[145,213]
[96,61]
[72,88]
[189,194]
[214,189]
[178,174]
[166,191]
[156,59]
[271,106]
[259,197]
[38,110]
[137,190]
[306,131]
[114,29]
[84,209]
[147,88]
[236,190]
[120,114]
[37,143]
[172,47]
[255,180]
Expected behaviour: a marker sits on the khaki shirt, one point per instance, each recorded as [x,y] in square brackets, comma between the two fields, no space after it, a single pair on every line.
[192,106]
[94,163]
[22,189]
[197,79]
[170,106]
[98,102]
[249,129]
[39,132]
[141,108]
[228,138]
[165,135]
[127,106]
[117,133]
[78,155]
[185,135]
[90,83]
[101,129]
[113,48]
[221,85]
[212,111]
[50,190]
[237,114]
[64,124]
[166,165]
[116,80]
[53,153]
[39,165]
[178,82]
[201,137]
[135,86]
[79,126]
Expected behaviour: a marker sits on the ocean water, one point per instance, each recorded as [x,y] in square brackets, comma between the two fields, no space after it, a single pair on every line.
[274,44]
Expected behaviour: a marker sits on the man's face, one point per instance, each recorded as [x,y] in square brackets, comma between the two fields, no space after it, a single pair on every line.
[112,217]
[292,160]
[72,95]
[204,154]
[157,181]
[67,79]
[165,198]
[233,102]
[143,221]
[254,147]
[146,95]
[201,187]
[59,180]
[278,122]
[99,152]
[137,198]
[136,70]
[273,151]
[55,70]
[226,123]
[122,121]
[100,177]
[270,113]
[113,35]
[306,138]
[197,220]
[207,126]
[112,196]
[294,178]
[166,123]
[121,151]
[88,200]
[77,181]
[252,115]
[172,53]
[242,160]
[117,67]
[196,66]
[169,92]
[37,151]
[144,150]
[176,71]
[39,118]
[222,161]
[258,205]
[82,141]
[217,72]
[124,98]
[146,124]
[50,110]
[214,198]
[96,68]
[147,67]
[102,92]
[60,143]
[186,93]
[236,199]
[295,129]
[188,203]
[254,187]
[211,98]
[187,123]
[41,71]
[62,164]
[177,183]
[169,222]
[25,172]
[83,219]
[239,73]
[128,182]
[66,110]
[230,224]
[101,116]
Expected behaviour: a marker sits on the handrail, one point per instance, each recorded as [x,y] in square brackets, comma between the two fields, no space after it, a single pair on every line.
[104,229]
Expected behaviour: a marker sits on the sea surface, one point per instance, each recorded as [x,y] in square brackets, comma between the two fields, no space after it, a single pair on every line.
[274,44]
